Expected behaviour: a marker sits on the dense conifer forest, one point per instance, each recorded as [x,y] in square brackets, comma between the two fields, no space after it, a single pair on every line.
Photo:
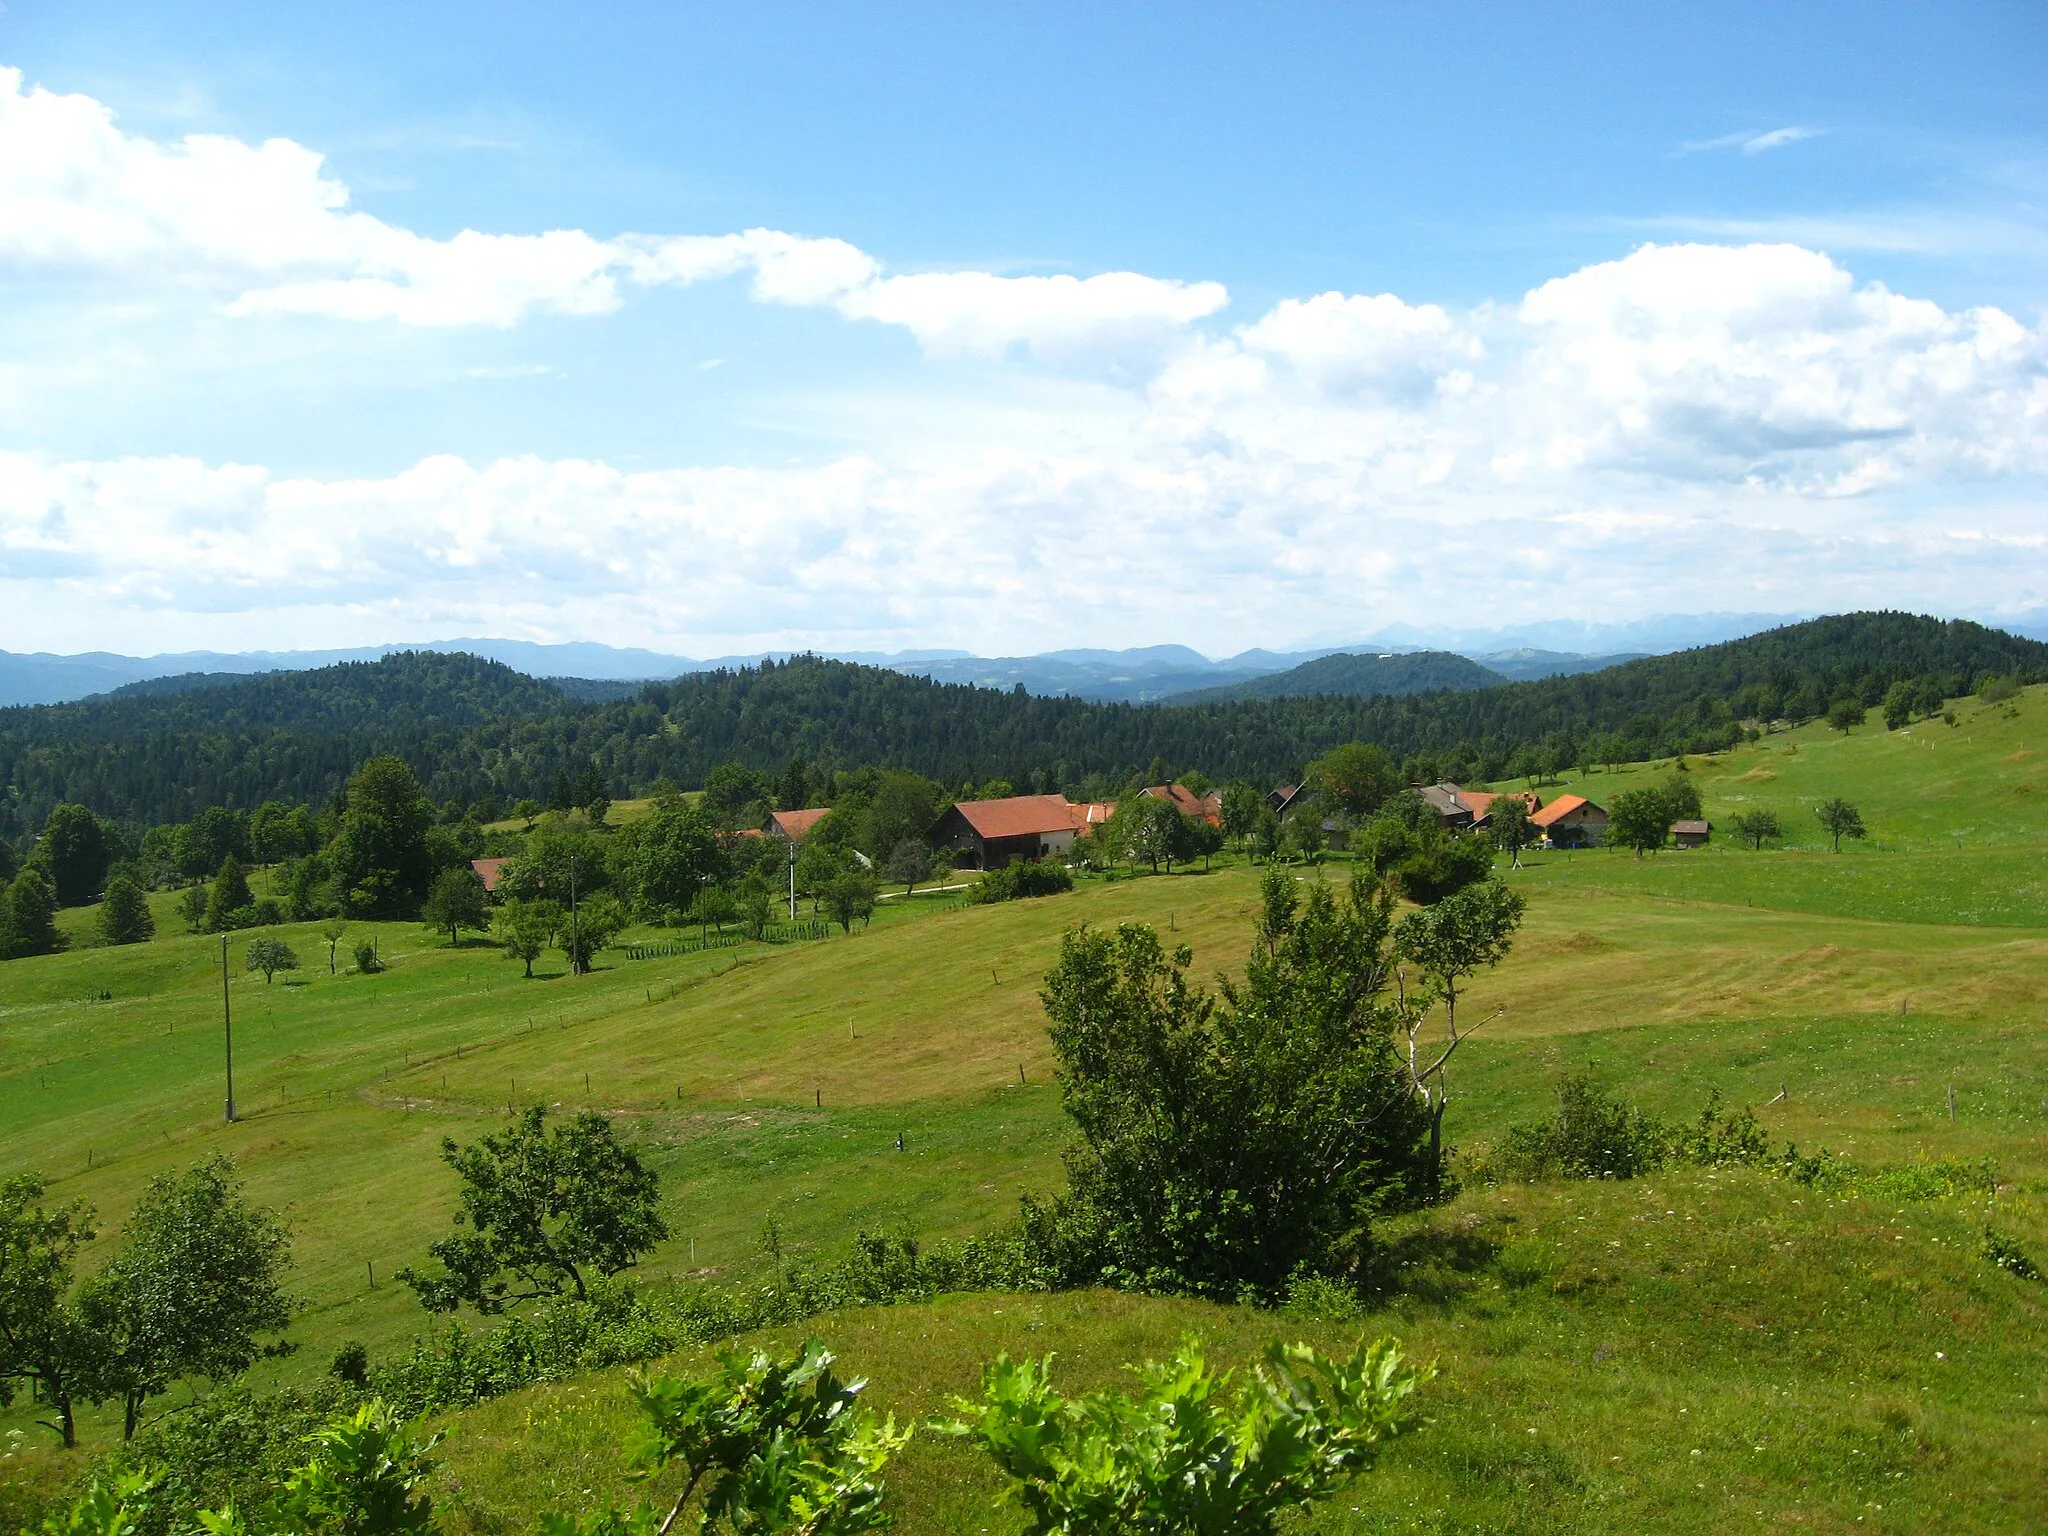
[471,728]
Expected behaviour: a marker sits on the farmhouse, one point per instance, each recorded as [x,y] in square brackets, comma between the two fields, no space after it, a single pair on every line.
[1691,834]
[1285,798]
[488,870]
[1207,807]
[794,825]
[987,834]
[1571,821]
[1467,809]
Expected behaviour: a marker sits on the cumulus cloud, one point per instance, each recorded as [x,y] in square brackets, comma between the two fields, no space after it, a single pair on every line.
[265,224]
[1748,417]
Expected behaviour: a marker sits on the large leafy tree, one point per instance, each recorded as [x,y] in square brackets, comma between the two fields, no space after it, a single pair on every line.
[457,901]
[1840,819]
[1357,778]
[75,849]
[665,860]
[1230,1141]
[542,1209]
[379,856]
[198,1277]
[43,1340]
[1639,819]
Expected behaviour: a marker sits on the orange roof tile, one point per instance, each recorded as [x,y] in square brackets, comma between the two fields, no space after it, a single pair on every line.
[487,870]
[1560,808]
[1018,816]
[795,825]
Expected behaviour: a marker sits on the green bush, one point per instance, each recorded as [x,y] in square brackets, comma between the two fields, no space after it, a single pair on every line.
[1039,877]
[1593,1135]
[1179,1457]
[2008,1255]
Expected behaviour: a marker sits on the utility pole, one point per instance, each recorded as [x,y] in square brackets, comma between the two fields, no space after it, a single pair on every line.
[575,948]
[792,879]
[227,1026]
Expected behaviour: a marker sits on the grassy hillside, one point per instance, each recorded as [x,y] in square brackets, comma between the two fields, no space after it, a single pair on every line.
[1824,1356]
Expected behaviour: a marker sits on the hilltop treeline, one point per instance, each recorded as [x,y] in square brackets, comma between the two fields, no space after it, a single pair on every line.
[471,728]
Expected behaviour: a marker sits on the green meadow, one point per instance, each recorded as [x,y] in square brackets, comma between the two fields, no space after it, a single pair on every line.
[1689,1352]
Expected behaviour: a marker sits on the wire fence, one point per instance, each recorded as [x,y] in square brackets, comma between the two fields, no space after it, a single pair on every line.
[804,930]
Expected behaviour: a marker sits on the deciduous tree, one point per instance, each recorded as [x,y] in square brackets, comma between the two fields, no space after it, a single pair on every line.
[456,901]
[43,1340]
[541,1209]
[1840,819]
[1757,826]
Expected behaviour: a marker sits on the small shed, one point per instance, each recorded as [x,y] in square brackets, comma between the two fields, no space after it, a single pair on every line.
[1691,834]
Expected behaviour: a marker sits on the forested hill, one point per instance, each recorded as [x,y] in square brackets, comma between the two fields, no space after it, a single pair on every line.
[471,728]
[1356,676]
[159,752]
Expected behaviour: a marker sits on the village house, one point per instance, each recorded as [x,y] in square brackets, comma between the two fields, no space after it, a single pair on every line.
[987,834]
[1468,809]
[794,825]
[1207,807]
[1285,798]
[1571,821]
[488,870]
[1691,834]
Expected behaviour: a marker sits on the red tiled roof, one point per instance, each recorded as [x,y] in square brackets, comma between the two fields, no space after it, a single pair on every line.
[1560,808]
[487,871]
[795,825]
[1481,801]
[1090,814]
[1208,807]
[1018,816]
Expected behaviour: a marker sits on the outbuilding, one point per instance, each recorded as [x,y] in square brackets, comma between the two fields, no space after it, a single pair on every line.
[987,834]
[1691,834]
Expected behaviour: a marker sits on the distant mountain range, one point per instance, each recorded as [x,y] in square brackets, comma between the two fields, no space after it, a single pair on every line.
[590,670]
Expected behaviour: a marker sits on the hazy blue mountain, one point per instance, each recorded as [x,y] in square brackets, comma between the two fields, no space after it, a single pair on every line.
[1529,661]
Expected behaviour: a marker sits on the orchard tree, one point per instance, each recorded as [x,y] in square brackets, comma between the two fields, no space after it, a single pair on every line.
[542,1208]
[1757,826]
[124,916]
[1240,810]
[198,1276]
[1508,824]
[526,928]
[850,898]
[332,932]
[1840,819]
[43,1340]
[270,956]
[1845,715]
[1639,819]
[910,861]
[668,858]
[456,901]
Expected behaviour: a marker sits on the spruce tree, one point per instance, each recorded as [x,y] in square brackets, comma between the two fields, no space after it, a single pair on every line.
[124,914]
[30,927]
[230,896]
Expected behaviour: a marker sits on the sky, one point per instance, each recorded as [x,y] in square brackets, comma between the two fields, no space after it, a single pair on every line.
[1009,328]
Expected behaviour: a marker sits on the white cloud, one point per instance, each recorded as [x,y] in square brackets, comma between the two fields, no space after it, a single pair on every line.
[266,227]
[1751,142]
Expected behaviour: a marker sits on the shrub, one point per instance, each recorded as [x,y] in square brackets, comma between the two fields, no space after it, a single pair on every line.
[1013,882]
[1178,1458]
[1593,1135]
[366,957]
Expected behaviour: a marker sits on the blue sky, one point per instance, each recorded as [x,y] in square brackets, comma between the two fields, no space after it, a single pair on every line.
[1057,325]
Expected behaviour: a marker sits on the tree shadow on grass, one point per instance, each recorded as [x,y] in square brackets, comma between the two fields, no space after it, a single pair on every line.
[1435,1265]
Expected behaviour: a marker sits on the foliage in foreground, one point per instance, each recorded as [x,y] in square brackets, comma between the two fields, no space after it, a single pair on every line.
[1178,1457]
[782,1447]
